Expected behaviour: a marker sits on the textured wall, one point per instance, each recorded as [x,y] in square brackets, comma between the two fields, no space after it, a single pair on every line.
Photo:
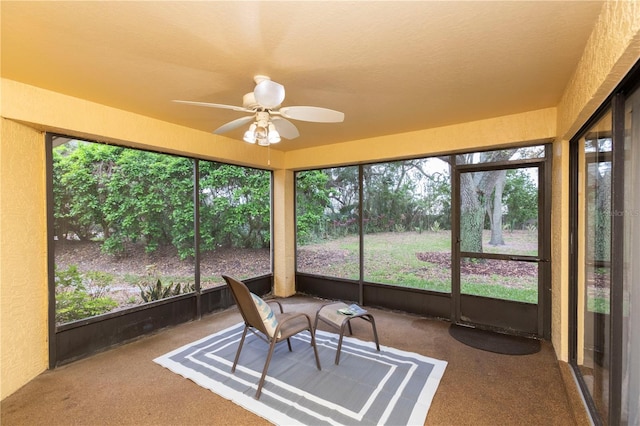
[284,231]
[499,131]
[559,250]
[612,49]
[23,270]
[71,116]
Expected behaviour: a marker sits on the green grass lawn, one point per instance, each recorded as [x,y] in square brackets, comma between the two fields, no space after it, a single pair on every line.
[391,258]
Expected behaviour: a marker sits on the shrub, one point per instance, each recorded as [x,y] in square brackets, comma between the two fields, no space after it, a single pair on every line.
[74,301]
[157,291]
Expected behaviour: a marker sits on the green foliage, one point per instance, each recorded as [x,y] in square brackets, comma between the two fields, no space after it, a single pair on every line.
[599,212]
[73,299]
[81,173]
[600,305]
[149,195]
[521,199]
[158,291]
[124,196]
[396,196]
[312,195]
[235,206]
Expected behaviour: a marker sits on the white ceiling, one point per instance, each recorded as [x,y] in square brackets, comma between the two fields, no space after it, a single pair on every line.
[390,66]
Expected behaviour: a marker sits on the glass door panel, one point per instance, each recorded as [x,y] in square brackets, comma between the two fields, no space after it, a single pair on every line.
[594,261]
[499,235]
[630,394]
[500,279]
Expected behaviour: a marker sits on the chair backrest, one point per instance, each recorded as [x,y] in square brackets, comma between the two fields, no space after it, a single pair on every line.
[245,303]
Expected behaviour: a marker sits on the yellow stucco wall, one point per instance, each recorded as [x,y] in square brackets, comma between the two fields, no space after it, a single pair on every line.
[283,233]
[51,111]
[559,247]
[495,132]
[23,270]
[611,51]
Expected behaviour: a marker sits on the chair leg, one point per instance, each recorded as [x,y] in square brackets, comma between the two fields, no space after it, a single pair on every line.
[266,367]
[235,362]
[340,342]
[315,349]
[375,332]
[289,344]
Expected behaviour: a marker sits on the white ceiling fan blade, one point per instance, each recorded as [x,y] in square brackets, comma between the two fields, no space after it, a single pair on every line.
[269,94]
[286,128]
[234,124]
[210,105]
[314,114]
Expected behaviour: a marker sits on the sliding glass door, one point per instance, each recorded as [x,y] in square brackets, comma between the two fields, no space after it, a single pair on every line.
[630,371]
[594,260]
[605,271]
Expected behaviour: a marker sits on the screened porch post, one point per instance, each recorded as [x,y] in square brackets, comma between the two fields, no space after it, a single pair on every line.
[283,234]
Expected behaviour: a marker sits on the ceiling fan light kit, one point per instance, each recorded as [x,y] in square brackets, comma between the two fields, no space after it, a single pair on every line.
[270,122]
[262,131]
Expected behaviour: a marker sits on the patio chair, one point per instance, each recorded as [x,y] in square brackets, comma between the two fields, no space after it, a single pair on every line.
[272,327]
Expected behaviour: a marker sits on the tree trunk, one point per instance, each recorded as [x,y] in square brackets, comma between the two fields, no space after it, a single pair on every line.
[475,190]
[471,215]
[496,215]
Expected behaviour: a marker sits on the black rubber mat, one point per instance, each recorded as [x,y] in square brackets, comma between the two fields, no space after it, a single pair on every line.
[494,342]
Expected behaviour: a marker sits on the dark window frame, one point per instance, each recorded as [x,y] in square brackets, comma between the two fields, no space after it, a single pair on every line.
[428,302]
[79,339]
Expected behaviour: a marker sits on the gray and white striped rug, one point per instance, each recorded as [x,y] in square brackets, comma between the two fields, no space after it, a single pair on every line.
[368,387]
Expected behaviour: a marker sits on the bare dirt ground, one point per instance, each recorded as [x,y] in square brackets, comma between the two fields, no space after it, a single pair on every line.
[136,264]
[88,257]
[165,261]
[484,266]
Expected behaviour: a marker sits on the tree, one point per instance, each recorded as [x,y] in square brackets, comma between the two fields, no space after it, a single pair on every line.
[398,196]
[81,172]
[127,196]
[495,210]
[312,197]
[388,196]
[521,199]
[234,206]
[476,194]
[149,197]
[433,198]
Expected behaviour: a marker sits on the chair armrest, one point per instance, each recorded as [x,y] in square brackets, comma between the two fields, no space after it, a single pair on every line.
[290,331]
[277,303]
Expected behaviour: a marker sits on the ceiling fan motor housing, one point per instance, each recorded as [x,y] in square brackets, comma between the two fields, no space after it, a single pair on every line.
[249,101]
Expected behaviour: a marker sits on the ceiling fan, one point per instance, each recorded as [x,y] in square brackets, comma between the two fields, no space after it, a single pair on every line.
[269,121]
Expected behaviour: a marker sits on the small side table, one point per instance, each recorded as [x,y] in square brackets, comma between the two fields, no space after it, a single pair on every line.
[330,315]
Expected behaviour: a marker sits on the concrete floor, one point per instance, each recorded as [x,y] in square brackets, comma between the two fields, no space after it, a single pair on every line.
[123,386]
